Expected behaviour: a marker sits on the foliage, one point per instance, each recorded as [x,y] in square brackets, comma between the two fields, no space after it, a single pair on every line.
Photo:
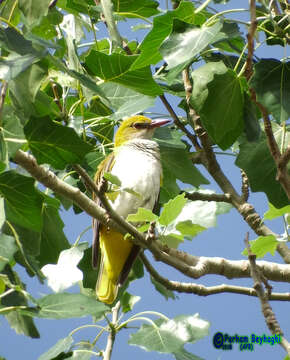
[69,86]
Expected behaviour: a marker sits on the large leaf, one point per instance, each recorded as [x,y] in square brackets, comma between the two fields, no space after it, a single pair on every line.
[262,245]
[65,273]
[65,306]
[136,8]
[53,239]
[172,209]
[169,336]
[23,202]
[13,41]
[162,26]
[116,68]
[273,213]
[218,98]
[176,163]
[54,144]
[255,159]
[63,345]
[12,130]
[125,101]
[24,89]
[7,249]
[22,324]
[271,82]
[181,47]
[14,64]
[33,10]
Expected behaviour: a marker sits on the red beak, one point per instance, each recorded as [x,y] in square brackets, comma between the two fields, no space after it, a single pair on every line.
[159,122]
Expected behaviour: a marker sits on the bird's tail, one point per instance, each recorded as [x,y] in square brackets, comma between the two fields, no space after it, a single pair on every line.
[115,251]
[106,288]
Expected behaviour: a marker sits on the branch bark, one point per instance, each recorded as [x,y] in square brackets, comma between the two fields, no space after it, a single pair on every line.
[201,290]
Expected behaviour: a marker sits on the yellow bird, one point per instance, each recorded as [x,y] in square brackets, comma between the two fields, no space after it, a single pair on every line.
[136,162]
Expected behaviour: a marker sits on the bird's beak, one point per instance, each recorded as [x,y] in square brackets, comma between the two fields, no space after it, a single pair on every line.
[158,122]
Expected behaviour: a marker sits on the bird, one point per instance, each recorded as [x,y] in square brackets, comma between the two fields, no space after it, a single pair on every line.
[135,160]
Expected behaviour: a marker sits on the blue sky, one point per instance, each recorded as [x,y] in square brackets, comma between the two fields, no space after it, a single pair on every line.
[227,313]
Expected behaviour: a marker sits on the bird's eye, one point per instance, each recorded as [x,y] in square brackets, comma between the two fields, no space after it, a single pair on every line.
[140,125]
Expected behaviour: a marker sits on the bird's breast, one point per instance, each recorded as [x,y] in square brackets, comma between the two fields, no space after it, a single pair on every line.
[138,167]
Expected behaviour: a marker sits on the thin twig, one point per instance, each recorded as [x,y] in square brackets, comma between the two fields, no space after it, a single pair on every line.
[178,123]
[267,310]
[201,290]
[112,333]
[250,36]
[208,197]
[245,186]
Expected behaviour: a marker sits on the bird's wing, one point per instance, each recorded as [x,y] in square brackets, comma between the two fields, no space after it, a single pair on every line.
[105,166]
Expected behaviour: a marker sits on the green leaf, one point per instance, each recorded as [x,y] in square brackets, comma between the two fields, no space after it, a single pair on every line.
[273,212]
[116,68]
[223,120]
[142,215]
[84,79]
[255,159]
[22,324]
[46,28]
[33,10]
[252,126]
[181,47]
[13,41]
[136,8]
[54,144]
[172,209]
[62,346]
[169,336]
[176,163]
[229,38]
[66,305]
[7,249]
[12,130]
[125,101]
[262,245]
[128,301]
[188,228]
[24,90]
[271,81]
[168,294]
[23,203]
[162,26]
[53,239]
[113,179]
[14,64]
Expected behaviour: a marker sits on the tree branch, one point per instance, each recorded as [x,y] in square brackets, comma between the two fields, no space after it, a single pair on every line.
[191,266]
[201,290]
[259,277]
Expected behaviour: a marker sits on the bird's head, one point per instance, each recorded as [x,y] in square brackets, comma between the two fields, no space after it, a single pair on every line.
[137,127]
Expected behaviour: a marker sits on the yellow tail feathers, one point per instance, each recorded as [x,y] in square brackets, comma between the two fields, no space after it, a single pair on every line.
[115,251]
